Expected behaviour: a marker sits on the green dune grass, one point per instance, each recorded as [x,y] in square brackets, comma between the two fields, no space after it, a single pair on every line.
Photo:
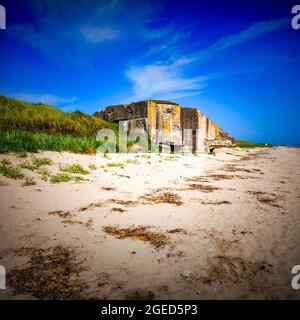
[32,127]
[250,145]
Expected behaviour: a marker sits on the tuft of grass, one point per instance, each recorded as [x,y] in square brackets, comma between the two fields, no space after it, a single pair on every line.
[45,173]
[92,167]
[28,182]
[10,172]
[73,168]
[61,177]
[79,179]
[42,162]
[35,164]
[27,165]
[115,164]
[132,161]
[6,161]
[65,177]
[22,154]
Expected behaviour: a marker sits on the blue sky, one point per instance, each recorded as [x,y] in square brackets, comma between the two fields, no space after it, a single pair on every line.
[237,61]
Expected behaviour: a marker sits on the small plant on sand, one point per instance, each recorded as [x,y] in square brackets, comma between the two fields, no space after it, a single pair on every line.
[132,161]
[61,177]
[79,179]
[170,158]
[92,167]
[27,165]
[22,154]
[35,164]
[10,172]
[41,162]
[28,182]
[73,168]
[115,164]
[45,173]
[6,162]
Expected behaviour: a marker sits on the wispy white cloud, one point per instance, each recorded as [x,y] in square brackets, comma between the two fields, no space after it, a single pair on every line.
[155,81]
[44,98]
[166,79]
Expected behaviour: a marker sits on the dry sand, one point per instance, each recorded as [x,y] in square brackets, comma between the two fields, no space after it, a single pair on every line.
[165,227]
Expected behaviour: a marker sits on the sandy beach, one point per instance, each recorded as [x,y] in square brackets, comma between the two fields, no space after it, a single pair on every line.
[142,226]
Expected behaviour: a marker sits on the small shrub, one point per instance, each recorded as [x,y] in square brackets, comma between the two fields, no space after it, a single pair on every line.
[10,172]
[60,177]
[42,162]
[115,164]
[27,165]
[35,164]
[132,161]
[79,179]
[22,154]
[28,182]
[170,158]
[6,161]
[45,173]
[74,168]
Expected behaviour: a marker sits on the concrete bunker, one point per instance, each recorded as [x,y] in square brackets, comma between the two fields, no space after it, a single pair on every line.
[169,125]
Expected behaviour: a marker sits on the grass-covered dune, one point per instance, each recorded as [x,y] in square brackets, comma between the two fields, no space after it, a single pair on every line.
[251,145]
[34,126]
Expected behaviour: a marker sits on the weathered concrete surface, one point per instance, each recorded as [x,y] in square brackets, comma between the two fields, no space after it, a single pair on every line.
[169,123]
